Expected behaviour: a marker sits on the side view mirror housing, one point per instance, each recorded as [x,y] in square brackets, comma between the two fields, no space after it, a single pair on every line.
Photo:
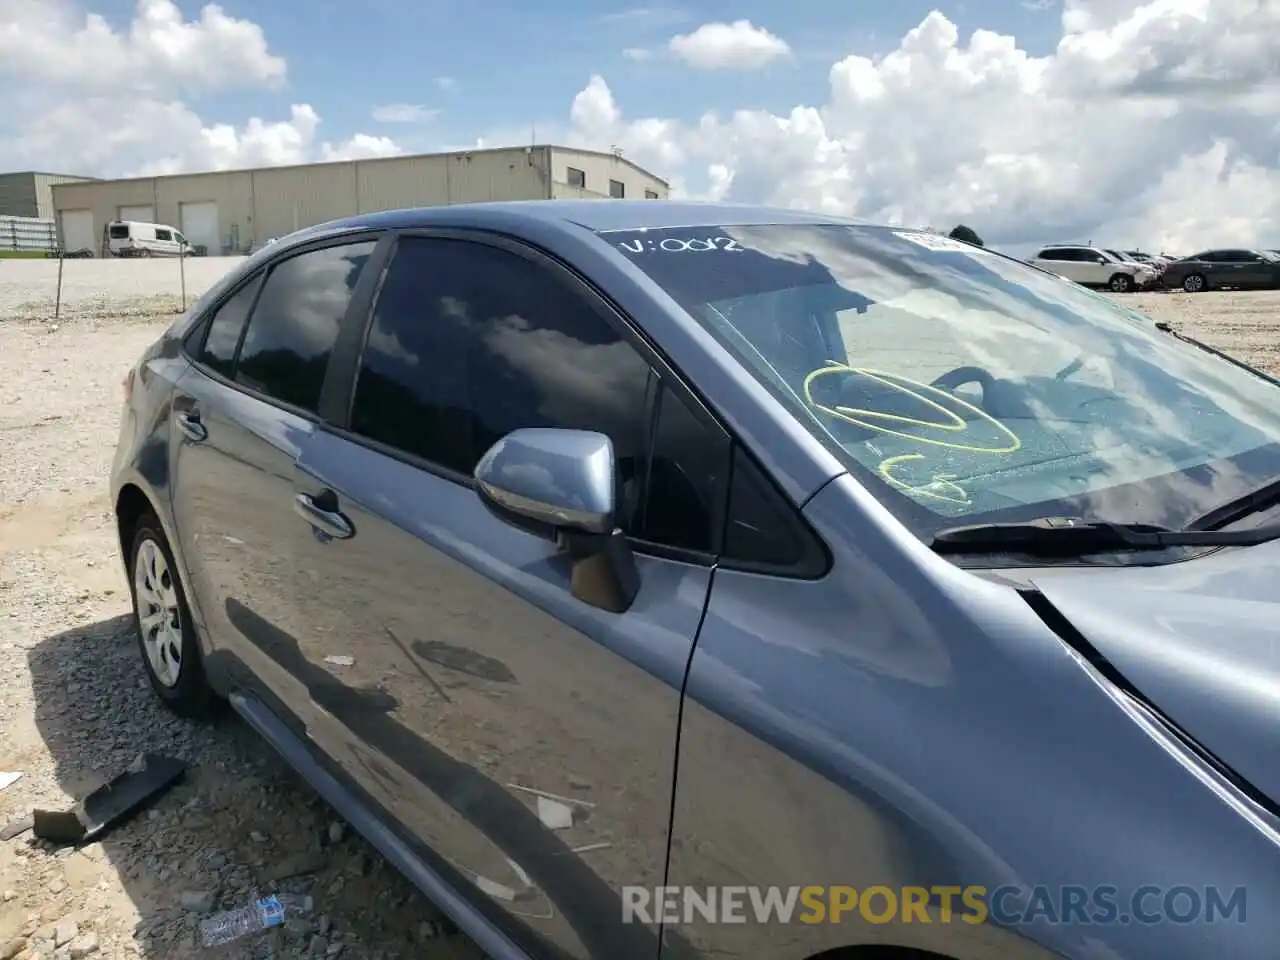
[561,485]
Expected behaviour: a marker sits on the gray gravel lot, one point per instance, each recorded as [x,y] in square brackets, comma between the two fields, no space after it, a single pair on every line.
[74,707]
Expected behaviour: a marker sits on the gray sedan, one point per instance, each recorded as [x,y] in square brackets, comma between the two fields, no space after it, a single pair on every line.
[662,579]
[1214,269]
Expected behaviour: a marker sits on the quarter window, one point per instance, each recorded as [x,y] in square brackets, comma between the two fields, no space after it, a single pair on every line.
[295,323]
[469,342]
[219,351]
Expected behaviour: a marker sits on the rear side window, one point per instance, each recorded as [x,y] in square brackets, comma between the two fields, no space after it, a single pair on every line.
[295,323]
[1051,254]
[219,351]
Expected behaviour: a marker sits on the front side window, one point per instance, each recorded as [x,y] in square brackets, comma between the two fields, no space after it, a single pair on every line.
[295,323]
[963,387]
[469,342]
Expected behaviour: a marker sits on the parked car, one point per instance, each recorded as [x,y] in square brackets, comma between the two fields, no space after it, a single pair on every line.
[1157,260]
[1212,269]
[1094,267]
[132,238]
[576,548]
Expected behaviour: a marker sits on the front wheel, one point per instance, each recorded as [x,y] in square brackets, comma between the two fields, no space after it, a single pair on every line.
[1120,283]
[1194,283]
[166,634]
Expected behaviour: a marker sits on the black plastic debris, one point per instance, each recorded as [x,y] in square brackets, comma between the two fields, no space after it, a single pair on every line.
[125,794]
[16,828]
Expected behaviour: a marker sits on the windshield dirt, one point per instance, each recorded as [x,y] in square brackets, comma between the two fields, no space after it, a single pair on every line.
[962,386]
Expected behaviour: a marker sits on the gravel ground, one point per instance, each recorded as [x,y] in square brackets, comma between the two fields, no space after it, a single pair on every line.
[74,706]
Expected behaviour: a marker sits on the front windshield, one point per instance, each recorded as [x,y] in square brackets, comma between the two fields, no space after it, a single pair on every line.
[961,386]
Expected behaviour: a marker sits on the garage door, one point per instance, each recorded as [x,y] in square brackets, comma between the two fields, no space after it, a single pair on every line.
[145,213]
[77,231]
[199,224]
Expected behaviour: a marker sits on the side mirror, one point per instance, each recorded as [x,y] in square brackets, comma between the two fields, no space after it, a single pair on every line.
[560,484]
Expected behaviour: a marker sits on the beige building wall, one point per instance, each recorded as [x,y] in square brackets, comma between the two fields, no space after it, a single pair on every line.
[599,169]
[255,205]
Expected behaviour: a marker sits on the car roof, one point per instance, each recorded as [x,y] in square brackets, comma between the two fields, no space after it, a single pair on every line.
[601,216]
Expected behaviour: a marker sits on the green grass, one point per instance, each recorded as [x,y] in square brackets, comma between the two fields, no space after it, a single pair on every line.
[23,255]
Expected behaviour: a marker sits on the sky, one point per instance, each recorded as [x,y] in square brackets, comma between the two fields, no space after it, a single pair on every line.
[1152,125]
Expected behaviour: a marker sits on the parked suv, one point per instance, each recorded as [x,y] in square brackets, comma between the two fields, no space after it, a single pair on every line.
[1093,267]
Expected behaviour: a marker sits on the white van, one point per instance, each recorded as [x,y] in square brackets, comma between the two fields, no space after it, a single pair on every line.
[131,238]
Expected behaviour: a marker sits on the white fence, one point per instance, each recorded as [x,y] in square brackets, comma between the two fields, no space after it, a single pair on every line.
[28,235]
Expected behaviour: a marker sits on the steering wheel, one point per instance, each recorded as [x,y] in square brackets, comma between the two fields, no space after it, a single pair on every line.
[962,375]
[1000,398]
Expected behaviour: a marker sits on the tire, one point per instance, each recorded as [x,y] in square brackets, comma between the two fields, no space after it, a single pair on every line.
[145,253]
[1120,283]
[1194,283]
[166,635]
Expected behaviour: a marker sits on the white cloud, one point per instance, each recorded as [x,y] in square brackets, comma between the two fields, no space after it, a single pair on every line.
[49,41]
[403,113]
[86,97]
[1150,122]
[729,46]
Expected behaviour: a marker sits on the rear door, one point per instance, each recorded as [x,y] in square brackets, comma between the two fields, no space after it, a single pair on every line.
[524,737]
[246,410]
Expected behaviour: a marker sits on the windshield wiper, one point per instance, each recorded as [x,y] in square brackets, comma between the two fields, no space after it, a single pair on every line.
[1069,536]
[1238,507]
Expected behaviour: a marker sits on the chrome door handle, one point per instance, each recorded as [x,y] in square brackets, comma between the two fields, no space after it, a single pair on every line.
[330,522]
[189,423]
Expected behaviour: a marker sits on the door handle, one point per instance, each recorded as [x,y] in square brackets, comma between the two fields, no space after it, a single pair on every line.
[330,522]
[189,423]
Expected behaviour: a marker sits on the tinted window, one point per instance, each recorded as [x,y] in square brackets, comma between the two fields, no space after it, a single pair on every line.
[1209,256]
[761,529]
[163,234]
[219,352]
[118,232]
[686,473]
[470,342]
[295,323]
[1052,254]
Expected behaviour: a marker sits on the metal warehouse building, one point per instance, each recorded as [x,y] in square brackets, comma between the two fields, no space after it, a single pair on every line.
[30,194]
[232,210]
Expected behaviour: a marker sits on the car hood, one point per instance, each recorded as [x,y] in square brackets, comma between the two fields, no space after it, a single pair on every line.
[1199,639]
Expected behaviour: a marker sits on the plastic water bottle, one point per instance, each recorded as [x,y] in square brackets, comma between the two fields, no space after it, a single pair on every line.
[254,917]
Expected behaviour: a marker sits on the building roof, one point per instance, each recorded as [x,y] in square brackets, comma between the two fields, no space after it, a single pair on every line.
[45,173]
[366,161]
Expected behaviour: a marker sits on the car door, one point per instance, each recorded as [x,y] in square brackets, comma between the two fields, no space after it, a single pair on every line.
[1248,269]
[243,412]
[1095,266]
[524,738]
[1055,260]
